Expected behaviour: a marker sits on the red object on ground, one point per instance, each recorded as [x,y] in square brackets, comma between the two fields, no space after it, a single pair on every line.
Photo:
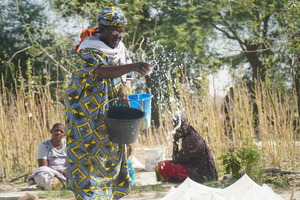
[174,171]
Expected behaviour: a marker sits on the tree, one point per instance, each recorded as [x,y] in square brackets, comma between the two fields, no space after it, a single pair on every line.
[263,30]
[156,33]
[263,35]
[29,45]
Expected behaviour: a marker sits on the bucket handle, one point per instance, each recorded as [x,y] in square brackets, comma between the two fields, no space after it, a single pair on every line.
[139,81]
[116,99]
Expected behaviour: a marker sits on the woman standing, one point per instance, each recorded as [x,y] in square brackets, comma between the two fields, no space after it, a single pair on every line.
[97,168]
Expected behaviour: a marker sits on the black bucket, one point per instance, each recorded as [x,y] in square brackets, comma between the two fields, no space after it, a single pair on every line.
[123,124]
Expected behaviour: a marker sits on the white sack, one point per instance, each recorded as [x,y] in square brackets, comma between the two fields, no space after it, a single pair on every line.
[243,189]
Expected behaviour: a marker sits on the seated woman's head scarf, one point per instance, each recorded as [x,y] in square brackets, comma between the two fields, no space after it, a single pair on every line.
[112,16]
[181,126]
[179,120]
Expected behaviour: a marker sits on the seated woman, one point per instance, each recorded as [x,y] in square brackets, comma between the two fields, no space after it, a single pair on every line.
[51,156]
[193,160]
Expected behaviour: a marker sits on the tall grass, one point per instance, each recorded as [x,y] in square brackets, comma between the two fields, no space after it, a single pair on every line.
[25,120]
[26,117]
[278,127]
[275,134]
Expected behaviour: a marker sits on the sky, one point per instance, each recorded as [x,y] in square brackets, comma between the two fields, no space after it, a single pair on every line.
[219,83]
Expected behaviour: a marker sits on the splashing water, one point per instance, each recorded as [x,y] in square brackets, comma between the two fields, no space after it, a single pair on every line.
[172,72]
[177,117]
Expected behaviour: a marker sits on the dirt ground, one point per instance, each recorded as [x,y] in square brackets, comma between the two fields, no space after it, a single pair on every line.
[13,191]
[20,190]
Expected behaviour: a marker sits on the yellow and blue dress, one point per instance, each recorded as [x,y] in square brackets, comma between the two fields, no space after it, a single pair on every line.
[96,167]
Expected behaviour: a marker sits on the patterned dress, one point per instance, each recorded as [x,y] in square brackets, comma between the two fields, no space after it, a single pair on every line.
[193,160]
[195,155]
[97,168]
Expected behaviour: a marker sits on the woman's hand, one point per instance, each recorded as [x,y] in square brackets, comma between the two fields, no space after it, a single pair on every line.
[143,68]
[63,172]
[177,135]
[180,132]
[123,97]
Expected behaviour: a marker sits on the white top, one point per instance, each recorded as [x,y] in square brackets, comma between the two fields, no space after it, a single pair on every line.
[116,56]
[56,158]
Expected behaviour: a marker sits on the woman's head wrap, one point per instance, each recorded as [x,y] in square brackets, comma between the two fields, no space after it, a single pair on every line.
[112,16]
[180,119]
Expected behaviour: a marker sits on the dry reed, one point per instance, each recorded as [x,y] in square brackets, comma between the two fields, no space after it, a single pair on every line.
[27,117]
[275,133]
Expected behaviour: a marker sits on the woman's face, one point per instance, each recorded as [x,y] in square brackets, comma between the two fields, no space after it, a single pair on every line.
[58,132]
[112,35]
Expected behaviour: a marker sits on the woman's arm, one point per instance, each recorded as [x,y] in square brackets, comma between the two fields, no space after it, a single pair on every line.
[92,62]
[114,71]
[191,149]
[43,162]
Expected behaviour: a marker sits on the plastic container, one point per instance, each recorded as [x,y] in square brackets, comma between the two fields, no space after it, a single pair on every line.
[123,124]
[142,102]
[152,157]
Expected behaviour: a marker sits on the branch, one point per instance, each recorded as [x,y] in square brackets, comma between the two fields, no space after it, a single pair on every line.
[258,50]
[280,171]
[53,82]
[141,43]
[52,59]
[19,52]
[265,43]
[234,36]
[141,37]
[225,32]
[35,42]
[25,175]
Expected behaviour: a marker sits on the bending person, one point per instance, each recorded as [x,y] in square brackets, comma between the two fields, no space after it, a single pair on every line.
[193,160]
[97,168]
[51,156]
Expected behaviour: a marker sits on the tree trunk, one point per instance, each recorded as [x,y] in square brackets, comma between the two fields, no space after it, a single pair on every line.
[297,83]
[258,69]
[154,103]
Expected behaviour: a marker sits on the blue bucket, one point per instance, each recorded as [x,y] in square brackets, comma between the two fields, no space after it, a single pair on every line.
[142,101]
